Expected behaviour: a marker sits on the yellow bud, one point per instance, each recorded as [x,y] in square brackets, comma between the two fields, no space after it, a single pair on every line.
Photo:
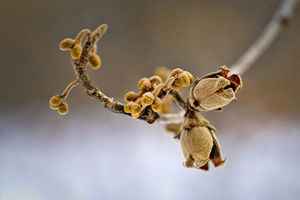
[176,71]
[54,102]
[63,109]
[135,108]
[157,105]
[95,61]
[147,99]
[155,80]
[144,84]
[131,96]
[127,108]
[183,80]
[81,35]
[66,44]
[76,51]
[191,77]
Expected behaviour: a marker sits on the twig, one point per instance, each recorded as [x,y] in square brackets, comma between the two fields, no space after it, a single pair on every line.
[278,22]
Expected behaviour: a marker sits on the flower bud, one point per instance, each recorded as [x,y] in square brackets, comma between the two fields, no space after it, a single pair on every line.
[144,84]
[66,44]
[54,102]
[63,108]
[76,51]
[131,96]
[157,105]
[147,99]
[95,61]
[155,80]
[183,80]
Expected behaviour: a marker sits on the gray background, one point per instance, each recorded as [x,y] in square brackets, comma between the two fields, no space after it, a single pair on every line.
[94,154]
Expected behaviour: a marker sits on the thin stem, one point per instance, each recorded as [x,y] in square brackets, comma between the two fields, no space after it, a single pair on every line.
[278,22]
[69,88]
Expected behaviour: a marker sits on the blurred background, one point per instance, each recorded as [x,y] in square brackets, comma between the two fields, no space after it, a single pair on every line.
[94,154]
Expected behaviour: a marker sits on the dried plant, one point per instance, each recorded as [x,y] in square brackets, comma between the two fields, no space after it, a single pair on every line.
[156,94]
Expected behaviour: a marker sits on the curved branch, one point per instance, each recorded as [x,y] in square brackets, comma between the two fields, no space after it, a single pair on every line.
[279,21]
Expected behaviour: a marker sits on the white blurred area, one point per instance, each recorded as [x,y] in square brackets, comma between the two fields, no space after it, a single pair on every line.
[91,156]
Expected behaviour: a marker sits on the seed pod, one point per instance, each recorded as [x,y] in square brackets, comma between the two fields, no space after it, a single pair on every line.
[199,143]
[63,109]
[144,84]
[214,90]
[54,102]
[147,99]
[66,44]
[95,61]
[76,51]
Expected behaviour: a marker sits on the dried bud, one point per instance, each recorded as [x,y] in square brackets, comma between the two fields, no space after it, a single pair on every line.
[157,105]
[131,96]
[144,84]
[63,109]
[95,61]
[214,91]
[66,44]
[147,99]
[76,51]
[54,102]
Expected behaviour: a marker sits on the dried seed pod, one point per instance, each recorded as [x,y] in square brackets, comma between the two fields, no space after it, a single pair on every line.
[76,51]
[199,143]
[214,90]
[147,99]
[63,108]
[54,102]
[66,44]
[144,84]
[95,61]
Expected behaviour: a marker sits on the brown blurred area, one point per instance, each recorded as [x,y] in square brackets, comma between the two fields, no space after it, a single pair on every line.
[79,156]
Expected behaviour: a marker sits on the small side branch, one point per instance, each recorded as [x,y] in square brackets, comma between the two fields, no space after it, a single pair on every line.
[279,21]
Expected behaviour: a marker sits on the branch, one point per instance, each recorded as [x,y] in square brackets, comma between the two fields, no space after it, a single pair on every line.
[80,68]
[278,22]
